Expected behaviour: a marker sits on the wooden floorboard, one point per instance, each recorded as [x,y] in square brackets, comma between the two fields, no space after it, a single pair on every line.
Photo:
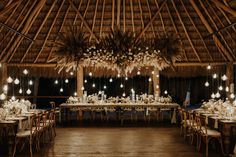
[119,142]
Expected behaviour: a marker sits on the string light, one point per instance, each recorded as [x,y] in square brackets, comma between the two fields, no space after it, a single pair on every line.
[66,81]
[61,90]
[232,96]
[214,76]
[123,94]
[28,91]
[138,73]
[118,75]
[75,93]
[165,92]
[93,85]
[71,73]
[220,88]
[157,86]
[82,88]
[85,81]
[149,79]
[213,96]
[56,82]
[20,91]
[13,98]
[206,83]
[16,81]
[121,85]
[224,77]
[157,75]
[110,80]
[126,78]
[5,88]
[9,79]
[217,94]
[2,96]
[30,82]
[208,67]
[227,89]
[104,87]
[90,74]
[25,71]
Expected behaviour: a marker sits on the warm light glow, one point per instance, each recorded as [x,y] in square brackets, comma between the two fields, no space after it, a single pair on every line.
[123,94]
[93,85]
[110,80]
[132,90]
[208,67]
[227,89]
[157,75]
[104,87]
[138,73]
[28,91]
[232,96]
[56,82]
[75,93]
[71,73]
[90,74]
[9,79]
[85,81]
[2,96]
[16,81]
[214,76]
[126,78]
[206,83]
[30,82]
[217,95]
[224,77]
[66,81]
[5,88]
[118,75]
[13,98]
[121,85]
[61,90]
[20,91]
[220,88]
[152,72]
[213,96]
[25,71]
[157,86]
[82,88]
[150,79]
[165,92]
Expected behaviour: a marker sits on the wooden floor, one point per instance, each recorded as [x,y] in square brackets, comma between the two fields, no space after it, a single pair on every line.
[119,142]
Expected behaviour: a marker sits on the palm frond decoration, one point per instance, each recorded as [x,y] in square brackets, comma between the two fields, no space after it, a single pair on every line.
[71,47]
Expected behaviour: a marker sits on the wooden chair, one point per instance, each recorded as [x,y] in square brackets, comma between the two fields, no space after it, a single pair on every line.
[206,134]
[185,123]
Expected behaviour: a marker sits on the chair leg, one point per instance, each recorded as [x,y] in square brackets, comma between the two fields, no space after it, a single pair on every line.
[14,150]
[207,147]
[222,147]
[31,153]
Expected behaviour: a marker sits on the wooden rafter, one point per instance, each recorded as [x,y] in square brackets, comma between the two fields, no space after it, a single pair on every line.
[224,7]
[9,7]
[85,12]
[103,9]
[141,13]
[124,16]
[150,16]
[27,26]
[118,14]
[64,19]
[162,22]
[94,16]
[213,22]
[19,26]
[199,34]
[153,18]
[83,21]
[38,31]
[132,14]
[186,32]
[210,30]
[77,13]
[113,15]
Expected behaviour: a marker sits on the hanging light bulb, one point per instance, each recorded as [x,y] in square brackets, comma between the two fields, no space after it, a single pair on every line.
[132,90]
[9,79]
[16,81]
[224,77]
[56,82]
[157,86]
[227,89]
[152,72]
[138,73]
[13,98]
[82,88]
[214,76]
[90,74]
[75,93]
[66,81]
[85,81]
[30,82]
[118,75]
[157,75]
[25,71]
[20,91]
[206,83]
[93,85]
[0,65]
[110,80]
[2,96]
[71,73]
[104,87]
[121,85]
[208,67]
[217,94]
[165,92]
[220,88]
[150,79]
[232,96]
[5,88]
[124,94]
[61,90]
[28,91]
[213,96]
[126,78]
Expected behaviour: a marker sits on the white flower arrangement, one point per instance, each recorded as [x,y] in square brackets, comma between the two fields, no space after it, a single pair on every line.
[3,114]
[17,106]
[72,100]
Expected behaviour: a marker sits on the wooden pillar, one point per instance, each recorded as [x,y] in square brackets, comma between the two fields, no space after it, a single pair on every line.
[80,81]
[150,89]
[3,75]
[36,87]
[156,82]
[230,79]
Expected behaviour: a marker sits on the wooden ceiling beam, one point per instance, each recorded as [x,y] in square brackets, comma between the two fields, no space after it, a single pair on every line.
[162,22]
[85,12]
[101,26]
[186,32]
[210,30]
[38,31]
[224,7]
[9,7]
[76,16]
[132,14]
[124,24]
[150,16]
[141,13]
[118,14]
[113,15]
[198,32]
[94,16]
[153,18]
[83,20]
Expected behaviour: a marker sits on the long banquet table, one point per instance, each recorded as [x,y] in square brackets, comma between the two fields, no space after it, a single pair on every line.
[80,106]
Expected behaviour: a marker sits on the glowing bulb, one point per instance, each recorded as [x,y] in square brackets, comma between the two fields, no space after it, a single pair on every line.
[20,91]
[30,82]
[206,83]
[110,80]
[71,73]
[9,79]
[224,77]
[90,74]
[123,94]
[150,79]
[61,90]
[28,91]
[157,75]
[85,81]
[220,88]
[152,72]
[75,93]
[82,88]
[165,92]
[93,85]
[66,81]
[217,95]
[121,85]
[16,81]
[5,88]
[132,90]
[25,71]
[213,96]
[126,78]
[232,96]
[56,82]
[118,75]
[2,96]
[227,89]
[0,65]
[208,67]
[138,73]
[157,86]
[105,87]
[215,76]
[13,98]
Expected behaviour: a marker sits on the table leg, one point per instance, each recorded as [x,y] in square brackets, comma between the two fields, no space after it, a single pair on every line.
[227,139]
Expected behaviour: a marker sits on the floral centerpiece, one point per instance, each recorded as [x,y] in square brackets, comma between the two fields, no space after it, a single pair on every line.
[72,100]
[3,114]
[17,106]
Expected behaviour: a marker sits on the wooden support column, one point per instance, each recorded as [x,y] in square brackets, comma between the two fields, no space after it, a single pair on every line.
[156,82]
[36,87]
[80,81]
[3,75]
[230,79]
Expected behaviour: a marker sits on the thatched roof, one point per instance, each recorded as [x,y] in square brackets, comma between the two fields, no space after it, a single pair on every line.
[207,28]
